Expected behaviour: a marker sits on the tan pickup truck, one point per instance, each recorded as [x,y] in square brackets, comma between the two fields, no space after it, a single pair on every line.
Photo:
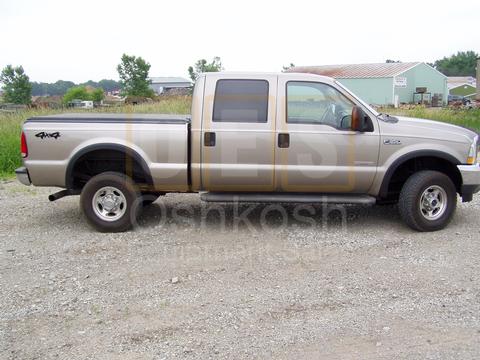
[255,137]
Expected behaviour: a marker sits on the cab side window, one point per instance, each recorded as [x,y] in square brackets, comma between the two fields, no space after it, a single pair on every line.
[241,100]
[317,103]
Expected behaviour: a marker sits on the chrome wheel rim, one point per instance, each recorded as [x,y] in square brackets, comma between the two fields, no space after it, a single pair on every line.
[109,203]
[433,202]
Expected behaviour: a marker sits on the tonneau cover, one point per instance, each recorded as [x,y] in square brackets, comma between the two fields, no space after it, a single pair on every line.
[113,118]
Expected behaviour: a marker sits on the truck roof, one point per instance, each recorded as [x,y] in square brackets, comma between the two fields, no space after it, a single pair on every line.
[288,75]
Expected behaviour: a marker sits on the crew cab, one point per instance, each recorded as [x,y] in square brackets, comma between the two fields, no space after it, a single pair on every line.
[255,137]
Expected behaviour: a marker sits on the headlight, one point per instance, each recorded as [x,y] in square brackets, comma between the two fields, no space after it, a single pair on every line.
[473,154]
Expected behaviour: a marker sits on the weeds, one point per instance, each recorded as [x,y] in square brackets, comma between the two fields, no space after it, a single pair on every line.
[467,118]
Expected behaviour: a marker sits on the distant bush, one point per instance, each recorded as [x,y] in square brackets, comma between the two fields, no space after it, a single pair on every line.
[82,93]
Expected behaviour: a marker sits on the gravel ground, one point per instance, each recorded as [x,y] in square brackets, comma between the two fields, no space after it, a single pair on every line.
[357,286]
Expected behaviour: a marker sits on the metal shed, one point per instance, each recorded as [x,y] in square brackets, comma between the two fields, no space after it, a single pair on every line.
[463,86]
[163,84]
[388,83]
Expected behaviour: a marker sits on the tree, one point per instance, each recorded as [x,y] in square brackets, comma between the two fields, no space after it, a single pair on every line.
[97,95]
[133,72]
[39,89]
[288,67]
[90,83]
[201,66]
[60,87]
[82,93]
[109,85]
[390,61]
[76,93]
[463,63]
[16,85]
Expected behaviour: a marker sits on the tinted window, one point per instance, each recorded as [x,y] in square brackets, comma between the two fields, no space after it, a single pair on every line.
[317,103]
[241,101]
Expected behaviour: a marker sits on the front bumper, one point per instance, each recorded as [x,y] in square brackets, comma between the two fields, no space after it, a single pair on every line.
[470,180]
[23,176]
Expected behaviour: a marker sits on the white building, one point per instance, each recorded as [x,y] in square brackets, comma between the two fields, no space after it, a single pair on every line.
[163,84]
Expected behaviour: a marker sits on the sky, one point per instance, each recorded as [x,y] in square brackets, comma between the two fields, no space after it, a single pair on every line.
[84,40]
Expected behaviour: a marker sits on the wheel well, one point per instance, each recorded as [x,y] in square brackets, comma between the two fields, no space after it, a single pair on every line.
[391,189]
[100,160]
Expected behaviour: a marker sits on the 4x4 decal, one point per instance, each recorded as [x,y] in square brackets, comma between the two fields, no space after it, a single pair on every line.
[42,135]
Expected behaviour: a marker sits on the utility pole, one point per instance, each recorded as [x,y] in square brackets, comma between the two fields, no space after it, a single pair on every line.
[478,80]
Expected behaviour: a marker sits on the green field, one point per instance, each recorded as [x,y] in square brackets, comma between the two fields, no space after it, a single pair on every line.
[10,123]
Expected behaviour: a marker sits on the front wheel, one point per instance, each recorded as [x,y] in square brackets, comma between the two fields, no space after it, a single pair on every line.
[111,202]
[427,201]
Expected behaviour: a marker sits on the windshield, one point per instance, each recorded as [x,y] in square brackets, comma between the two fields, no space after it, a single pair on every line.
[371,109]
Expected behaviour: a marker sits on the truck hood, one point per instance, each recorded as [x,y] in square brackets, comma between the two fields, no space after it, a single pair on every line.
[428,129]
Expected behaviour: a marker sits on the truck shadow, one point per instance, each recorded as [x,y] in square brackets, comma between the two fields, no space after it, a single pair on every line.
[261,217]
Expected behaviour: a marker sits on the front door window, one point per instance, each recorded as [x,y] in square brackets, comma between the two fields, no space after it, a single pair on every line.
[317,103]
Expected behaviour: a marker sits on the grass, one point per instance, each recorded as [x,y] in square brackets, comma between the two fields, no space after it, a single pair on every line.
[11,123]
[466,118]
[9,145]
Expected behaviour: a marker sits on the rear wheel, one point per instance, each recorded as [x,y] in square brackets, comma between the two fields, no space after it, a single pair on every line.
[428,201]
[110,202]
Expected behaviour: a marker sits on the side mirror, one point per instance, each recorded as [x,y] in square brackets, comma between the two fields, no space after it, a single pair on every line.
[360,121]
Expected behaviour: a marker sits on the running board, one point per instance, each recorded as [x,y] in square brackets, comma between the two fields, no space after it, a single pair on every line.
[288,198]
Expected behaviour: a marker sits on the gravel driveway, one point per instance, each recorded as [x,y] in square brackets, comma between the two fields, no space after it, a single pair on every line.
[353,285]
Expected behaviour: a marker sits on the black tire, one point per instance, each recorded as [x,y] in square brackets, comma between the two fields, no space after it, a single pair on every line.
[129,203]
[410,200]
[149,198]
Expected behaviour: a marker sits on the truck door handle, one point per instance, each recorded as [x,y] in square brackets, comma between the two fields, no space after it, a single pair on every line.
[209,138]
[283,140]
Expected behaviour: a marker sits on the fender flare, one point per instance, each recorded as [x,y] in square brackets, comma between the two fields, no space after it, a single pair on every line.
[117,147]
[409,156]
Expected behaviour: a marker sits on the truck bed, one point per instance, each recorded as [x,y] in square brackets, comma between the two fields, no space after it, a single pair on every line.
[161,141]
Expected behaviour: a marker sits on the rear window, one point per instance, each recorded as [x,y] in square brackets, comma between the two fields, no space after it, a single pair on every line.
[241,101]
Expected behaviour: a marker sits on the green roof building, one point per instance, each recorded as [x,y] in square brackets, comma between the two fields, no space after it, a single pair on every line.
[463,86]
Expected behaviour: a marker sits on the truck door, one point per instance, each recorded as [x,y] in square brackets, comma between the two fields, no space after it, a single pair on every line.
[315,150]
[238,133]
